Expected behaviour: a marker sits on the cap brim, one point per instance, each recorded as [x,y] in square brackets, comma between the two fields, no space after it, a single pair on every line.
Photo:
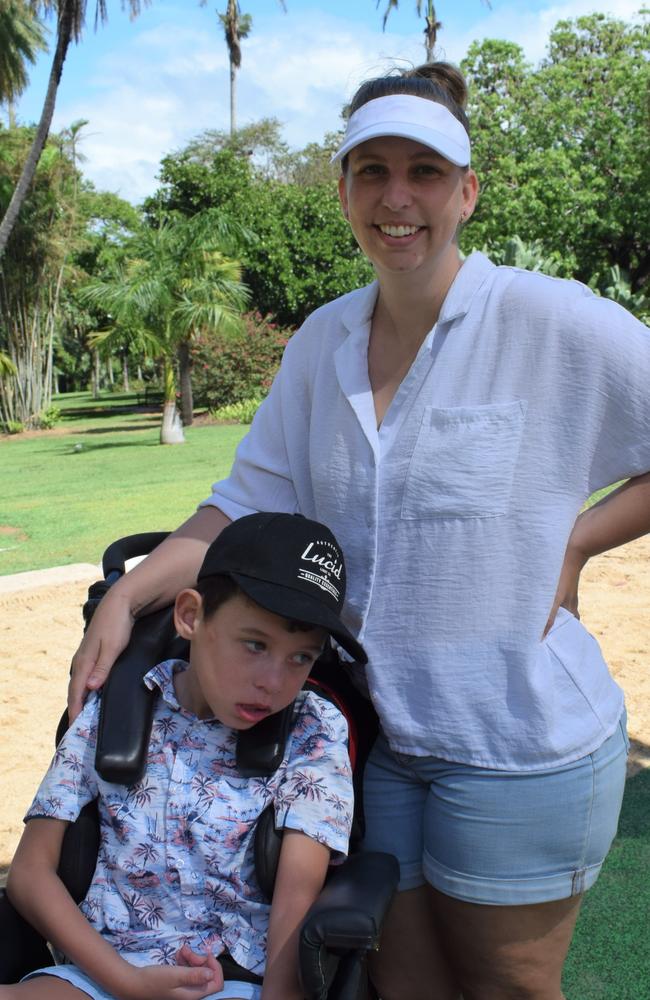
[438,141]
[294,605]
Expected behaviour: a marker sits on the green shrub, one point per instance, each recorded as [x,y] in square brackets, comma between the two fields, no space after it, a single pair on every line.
[240,368]
[238,413]
[46,419]
[13,427]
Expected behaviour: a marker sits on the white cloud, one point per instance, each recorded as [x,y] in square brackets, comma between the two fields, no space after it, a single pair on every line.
[169,82]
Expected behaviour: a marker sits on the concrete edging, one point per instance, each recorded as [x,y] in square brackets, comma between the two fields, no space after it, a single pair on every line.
[32,579]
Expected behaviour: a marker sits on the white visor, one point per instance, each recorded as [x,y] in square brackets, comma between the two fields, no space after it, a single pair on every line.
[410,117]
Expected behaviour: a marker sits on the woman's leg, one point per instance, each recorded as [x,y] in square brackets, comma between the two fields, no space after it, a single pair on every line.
[410,962]
[508,857]
[507,952]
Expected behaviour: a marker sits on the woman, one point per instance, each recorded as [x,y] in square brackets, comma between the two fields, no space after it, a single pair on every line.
[448,423]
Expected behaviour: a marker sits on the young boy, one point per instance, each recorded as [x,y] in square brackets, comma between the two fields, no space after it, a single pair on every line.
[174,886]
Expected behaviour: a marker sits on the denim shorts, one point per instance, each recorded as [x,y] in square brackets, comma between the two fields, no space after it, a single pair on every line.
[77,978]
[495,837]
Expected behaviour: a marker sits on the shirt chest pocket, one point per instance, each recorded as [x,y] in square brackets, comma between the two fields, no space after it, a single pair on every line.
[463,462]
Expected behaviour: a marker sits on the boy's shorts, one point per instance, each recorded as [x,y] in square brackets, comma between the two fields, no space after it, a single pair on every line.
[74,975]
[495,837]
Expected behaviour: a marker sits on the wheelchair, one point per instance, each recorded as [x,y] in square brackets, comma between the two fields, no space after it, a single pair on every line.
[343,925]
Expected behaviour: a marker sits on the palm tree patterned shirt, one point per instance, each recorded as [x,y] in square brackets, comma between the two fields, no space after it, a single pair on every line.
[175,860]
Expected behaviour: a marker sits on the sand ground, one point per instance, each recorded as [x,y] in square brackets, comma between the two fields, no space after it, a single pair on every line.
[40,627]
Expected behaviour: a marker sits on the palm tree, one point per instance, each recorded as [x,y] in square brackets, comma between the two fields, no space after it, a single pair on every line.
[70,19]
[21,37]
[433,25]
[174,282]
[235,27]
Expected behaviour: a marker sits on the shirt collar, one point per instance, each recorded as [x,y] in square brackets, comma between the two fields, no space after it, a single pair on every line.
[359,307]
[162,677]
[470,277]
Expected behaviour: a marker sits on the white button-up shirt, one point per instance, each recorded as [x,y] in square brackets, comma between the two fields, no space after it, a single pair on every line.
[529,394]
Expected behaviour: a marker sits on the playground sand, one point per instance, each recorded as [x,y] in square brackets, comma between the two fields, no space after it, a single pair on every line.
[41,625]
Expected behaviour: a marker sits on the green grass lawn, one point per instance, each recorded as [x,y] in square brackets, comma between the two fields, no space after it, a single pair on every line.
[100,474]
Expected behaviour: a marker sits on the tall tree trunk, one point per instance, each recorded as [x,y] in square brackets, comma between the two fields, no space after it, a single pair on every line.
[433,25]
[185,379]
[125,371]
[233,97]
[96,374]
[171,429]
[63,38]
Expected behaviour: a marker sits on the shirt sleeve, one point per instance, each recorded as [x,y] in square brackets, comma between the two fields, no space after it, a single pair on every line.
[611,379]
[71,780]
[315,794]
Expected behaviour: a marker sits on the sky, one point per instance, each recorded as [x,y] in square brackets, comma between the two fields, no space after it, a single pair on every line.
[149,85]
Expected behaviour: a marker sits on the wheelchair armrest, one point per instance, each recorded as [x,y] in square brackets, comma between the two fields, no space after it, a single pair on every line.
[346,917]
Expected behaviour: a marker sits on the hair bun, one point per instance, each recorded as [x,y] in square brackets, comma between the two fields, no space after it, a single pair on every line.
[447,76]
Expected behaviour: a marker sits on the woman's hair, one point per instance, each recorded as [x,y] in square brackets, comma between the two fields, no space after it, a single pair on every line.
[436,81]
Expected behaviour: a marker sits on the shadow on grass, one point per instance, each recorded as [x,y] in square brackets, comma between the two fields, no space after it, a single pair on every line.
[99,412]
[146,425]
[86,447]
[84,412]
[610,955]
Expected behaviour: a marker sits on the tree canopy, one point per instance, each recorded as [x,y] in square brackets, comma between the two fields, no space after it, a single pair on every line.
[561,149]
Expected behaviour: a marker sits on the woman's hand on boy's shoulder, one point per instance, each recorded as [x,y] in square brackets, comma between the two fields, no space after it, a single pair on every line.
[107,635]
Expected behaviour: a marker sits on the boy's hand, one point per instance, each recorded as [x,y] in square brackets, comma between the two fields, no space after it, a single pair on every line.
[186,957]
[176,982]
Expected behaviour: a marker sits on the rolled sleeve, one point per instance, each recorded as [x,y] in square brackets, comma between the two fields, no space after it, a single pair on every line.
[70,782]
[315,796]
[617,347]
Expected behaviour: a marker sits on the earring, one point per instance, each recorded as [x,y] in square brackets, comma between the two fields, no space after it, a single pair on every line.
[463,216]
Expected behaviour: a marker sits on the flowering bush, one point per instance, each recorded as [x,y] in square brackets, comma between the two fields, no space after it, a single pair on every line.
[241,367]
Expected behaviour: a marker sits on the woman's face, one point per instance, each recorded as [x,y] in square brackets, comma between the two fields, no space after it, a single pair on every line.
[404,202]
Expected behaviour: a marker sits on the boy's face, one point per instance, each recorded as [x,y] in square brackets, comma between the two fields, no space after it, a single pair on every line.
[245,662]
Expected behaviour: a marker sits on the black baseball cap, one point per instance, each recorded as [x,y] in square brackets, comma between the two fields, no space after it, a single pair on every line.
[289,565]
